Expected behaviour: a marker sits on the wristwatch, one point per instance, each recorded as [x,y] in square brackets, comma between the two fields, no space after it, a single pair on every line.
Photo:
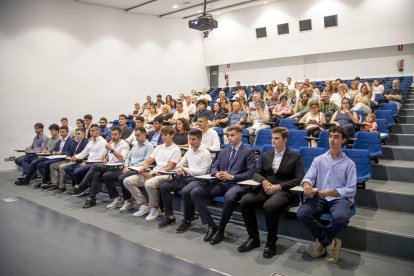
[111,151]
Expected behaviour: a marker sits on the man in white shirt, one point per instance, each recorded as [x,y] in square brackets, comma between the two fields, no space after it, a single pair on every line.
[64,122]
[210,140]
[166,156]
[222,95]
[139,122]
[118,150]
[196,161]
[377,88]
[180,113]
[204,96]
[290,84]
[312,95]
[189,106]
[94,150]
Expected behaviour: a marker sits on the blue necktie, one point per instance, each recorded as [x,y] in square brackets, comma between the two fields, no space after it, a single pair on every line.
[232,154]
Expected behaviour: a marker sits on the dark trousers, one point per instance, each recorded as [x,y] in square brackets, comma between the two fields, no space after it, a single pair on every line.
[19,160]
[76,172]
[44,168]
[272,206]
[232,194]
[116,178]
[310,211]
[33,167]
[95,175]
[186,185]
[26,161]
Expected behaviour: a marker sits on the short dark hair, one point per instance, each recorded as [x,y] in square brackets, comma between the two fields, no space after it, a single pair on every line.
[282,97]
[167,130]
[103,119]
[179,103]
[357,78]
[39,125]
[204,117]
[282,130]
[202,101]
[123,116]
[80,129]
[158,119]
[236,128]
[140,118]
[63,119]
[142,130]
[116,128]
[64,127]
[54,126]
[339,129]
[196,132]
[94,126]
[88,116]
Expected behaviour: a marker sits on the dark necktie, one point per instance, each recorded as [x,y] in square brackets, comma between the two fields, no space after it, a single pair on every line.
[232,154]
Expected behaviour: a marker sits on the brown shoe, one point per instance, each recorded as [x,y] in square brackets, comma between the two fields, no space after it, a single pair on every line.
[317,250]
[333,251]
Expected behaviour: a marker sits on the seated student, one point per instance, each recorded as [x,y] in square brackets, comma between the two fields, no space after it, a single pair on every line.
[196,161]
[38,145]
[282,109]
[136,112]
[62,147]
[279,171]
[57,170]
[363,100]
[337,97]
[64,122]
[326,106]
[136,157]
[118,150]
[258,118]
[139,122]
[166,114]
[189,106]
[202,111]
[370,123]
[302,106]
[329,185]
[204,96]
[166,156]
[226,105]
[345,117]
[377,89]
[210,140]
[87,120]
[217,116]
[234,164]
[181,132]
[104,131]
[155,137]
[395,94]
[125,130]
[95,151]
[32,166]
[180,113]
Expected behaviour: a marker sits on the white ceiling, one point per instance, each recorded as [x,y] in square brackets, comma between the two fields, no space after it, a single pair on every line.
[185,9]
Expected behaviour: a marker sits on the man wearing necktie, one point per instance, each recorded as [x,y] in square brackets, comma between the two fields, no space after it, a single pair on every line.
[233,165]
[280,170]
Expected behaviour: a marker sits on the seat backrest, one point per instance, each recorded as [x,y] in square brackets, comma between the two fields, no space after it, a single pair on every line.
[382,126]
[220,134]
[308,154]
[115,123]
[370,141]
[362,160]
[288,123]
[296,140]
[323,141]
[264,136]
[390,106]
[387,115]
[360,113]
[245,138]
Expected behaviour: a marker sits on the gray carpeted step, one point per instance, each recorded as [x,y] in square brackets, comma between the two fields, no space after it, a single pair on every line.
[393,152]
[403,128]
[399,139]
[394,170]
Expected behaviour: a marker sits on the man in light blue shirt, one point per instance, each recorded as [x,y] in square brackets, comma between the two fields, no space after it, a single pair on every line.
[329,187]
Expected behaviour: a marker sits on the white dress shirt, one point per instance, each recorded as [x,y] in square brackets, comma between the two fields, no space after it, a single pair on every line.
[95,150]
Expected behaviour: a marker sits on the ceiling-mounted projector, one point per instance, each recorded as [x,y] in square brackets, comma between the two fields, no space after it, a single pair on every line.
[203,23]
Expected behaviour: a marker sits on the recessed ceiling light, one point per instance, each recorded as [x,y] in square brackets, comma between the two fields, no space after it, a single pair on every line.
[175,6]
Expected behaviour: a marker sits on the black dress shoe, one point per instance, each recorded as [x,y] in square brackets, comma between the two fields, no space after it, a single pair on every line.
[22,182]
[210,233]
[89,203]
[269,251]
[248,245]
[217,238]
[184,227]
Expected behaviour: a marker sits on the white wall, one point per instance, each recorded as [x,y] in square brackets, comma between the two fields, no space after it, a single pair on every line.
[375,62]
[363,24]
[64,58]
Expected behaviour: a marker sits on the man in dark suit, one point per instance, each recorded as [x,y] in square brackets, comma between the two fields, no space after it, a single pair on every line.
[280,170]
[233,165]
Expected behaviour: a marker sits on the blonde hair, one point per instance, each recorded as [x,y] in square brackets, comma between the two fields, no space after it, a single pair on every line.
[166,106]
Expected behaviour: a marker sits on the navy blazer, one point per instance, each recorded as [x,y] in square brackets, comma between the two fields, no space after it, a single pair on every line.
[242,167]
[67,147]
[82,145]
[151,133]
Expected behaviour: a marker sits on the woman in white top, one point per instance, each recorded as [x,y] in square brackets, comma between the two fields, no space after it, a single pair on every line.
[354,91]
[259,118]
[377,88]
[314,120]
[363,100]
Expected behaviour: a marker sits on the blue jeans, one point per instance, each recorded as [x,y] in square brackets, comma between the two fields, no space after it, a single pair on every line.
[26,162]
[310,211]
[76,172]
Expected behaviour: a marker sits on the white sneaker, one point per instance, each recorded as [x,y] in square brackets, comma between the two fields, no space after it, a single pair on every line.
[128,205]
[143,210]
[154,213]
[117,203]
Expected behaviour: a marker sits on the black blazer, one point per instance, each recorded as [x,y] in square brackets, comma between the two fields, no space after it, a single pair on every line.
[289,174]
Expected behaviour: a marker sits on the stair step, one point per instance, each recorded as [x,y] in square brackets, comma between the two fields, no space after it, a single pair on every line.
[406,119]
[406,112]
[394,170]
[387,195]
[380,231]
[400,139]
[398,152]
[403,128]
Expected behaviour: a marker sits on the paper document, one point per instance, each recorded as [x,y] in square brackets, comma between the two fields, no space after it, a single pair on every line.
[250,182]
[56,157]
[167,172]
[205,176]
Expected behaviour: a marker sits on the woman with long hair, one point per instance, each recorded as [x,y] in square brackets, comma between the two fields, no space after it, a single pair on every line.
[182,128]
[345,117]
